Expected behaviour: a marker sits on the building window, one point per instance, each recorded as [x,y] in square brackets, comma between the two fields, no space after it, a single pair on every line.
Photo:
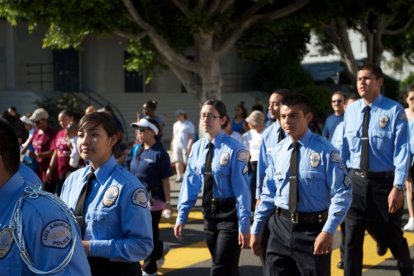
[66,70]
[134,82]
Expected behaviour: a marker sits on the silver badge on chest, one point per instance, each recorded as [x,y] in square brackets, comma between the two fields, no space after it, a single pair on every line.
[110,196]
[224,159]
[383,121]
[6,241]
[314,159]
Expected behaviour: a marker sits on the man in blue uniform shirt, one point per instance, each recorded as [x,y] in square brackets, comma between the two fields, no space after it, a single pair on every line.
[49,240]
[375,149]
[271,136]
[305,200]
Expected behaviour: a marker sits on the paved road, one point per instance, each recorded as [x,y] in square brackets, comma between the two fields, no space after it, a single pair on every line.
[190,256]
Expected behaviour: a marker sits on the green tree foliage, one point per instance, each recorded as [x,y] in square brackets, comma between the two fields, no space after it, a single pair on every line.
[189,37]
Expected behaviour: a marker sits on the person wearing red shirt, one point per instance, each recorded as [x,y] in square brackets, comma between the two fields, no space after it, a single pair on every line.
[43,147]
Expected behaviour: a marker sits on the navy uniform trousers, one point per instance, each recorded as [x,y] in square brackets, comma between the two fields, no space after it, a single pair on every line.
[290,249]
[221,232]
[369,210]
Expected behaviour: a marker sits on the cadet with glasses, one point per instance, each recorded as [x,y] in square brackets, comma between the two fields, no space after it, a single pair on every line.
[219,164]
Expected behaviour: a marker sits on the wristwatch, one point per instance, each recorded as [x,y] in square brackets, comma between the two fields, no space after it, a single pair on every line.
[399,187]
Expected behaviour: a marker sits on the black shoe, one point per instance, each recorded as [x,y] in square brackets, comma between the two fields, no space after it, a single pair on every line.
[340,265]
[381,249]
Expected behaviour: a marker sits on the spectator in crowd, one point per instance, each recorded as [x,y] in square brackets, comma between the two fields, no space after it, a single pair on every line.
[152,167]
[258,105]
[229,131]
[409,111]
[13,111]
[61,150]
[182,141]
[43,148]
[240,114]
[252,140]
[110,204]
[26,147]
[338,106]
[148,109]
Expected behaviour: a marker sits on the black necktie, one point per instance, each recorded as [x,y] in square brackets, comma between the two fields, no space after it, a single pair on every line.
[363,165]
[293,180]
[280,135]
[79,209]
[208,178]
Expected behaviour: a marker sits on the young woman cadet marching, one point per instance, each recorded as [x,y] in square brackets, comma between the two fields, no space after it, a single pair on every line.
[219,164]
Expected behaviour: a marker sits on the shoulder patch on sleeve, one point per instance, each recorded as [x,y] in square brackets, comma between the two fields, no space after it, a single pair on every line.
[140,198]
[57,234]
[6,242]
[335,157]
[243,156]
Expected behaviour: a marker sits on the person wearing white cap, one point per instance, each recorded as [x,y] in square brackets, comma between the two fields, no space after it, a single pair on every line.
[151,165]
[43,146]
[182,140]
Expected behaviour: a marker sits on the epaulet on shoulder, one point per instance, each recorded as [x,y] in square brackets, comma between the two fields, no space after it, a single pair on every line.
[320,139]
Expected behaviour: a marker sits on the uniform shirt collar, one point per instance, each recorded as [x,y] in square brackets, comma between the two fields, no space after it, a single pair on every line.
[216,140]
[374,105]
[303,141]
[105,170]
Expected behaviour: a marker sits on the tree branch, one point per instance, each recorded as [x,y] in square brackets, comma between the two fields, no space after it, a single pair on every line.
[245,23]
[182,6]
[130,35]
[159,42]
[224,5]
[400,30]
[213,7]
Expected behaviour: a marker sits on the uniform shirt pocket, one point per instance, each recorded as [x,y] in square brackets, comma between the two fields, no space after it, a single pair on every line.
[105,221]
[353,140]
[312,180]
[381,139]
[281,182]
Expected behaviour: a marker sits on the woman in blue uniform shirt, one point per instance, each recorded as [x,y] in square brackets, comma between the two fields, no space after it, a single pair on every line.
[115,220]
[152,166]
[227,210]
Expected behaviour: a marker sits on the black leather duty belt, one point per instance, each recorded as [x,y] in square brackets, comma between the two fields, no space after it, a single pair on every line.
[220,203]
[319,217]
[368,174]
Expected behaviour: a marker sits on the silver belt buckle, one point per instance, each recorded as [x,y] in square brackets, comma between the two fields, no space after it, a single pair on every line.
[362,174]
[294,217]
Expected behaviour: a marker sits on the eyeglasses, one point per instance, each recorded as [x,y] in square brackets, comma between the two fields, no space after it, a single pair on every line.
[336,101]
[209,116]
[38,121]
[142,129]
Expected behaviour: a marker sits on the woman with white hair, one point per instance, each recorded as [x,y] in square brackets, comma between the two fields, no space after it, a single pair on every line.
[252,140]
